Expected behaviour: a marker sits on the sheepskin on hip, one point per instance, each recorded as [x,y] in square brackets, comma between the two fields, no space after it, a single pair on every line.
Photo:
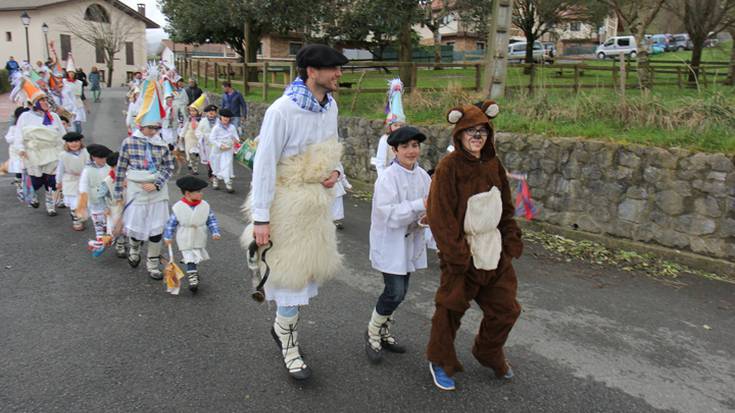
[303,235]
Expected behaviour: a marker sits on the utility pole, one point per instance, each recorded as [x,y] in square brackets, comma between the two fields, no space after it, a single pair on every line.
[496,57]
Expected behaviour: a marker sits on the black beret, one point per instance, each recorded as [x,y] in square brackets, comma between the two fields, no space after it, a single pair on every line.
[98,151]
[191,183]
[112,159]
[73,136]
[210,108]
[225,112]
[405,134]
[318,56]
[19,111]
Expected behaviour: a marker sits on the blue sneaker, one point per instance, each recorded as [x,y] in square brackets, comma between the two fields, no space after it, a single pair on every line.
[441,379]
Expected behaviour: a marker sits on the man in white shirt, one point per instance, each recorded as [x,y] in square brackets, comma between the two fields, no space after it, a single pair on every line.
[298,144]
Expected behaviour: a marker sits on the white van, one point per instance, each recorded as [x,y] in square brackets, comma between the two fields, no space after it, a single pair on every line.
[617,45]
[517,52]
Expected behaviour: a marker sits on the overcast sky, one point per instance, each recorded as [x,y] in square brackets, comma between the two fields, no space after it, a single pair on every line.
[153,12]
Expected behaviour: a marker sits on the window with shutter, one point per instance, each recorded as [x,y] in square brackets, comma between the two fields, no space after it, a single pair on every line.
[65,46]
[129,55]
[99,51]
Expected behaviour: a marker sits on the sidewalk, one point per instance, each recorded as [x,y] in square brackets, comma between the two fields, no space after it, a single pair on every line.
[6,107]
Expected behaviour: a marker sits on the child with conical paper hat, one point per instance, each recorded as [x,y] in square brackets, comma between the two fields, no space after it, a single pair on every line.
[146,165]
[395,118]
[191,142]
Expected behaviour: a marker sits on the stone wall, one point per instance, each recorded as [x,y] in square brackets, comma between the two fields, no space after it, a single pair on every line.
[675,198]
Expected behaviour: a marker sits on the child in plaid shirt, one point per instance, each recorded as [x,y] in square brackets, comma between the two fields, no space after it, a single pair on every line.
[146,164]
[195,217]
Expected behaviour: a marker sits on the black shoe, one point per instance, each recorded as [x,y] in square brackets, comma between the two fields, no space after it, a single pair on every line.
[374,356]
[393,347]
[302,374]
[35,204]
[134,262]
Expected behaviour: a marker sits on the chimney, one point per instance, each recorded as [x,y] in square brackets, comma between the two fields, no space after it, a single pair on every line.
[141,8]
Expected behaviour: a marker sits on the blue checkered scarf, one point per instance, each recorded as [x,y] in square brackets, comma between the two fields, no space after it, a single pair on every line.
[302,96]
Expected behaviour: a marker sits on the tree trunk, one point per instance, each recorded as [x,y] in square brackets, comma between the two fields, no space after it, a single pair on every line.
[697,47]
[731,70]
[530,40]
[644,69]
[437,49]
[405,54]
[251,49]
[110,67]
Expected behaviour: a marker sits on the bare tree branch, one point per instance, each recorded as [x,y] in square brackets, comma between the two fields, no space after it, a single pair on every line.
[109,34]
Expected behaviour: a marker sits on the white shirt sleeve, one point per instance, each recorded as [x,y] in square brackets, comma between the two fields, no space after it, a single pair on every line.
[60,168]
[83,182]
[10,135]
[382,154]
[389,209]
[270,147]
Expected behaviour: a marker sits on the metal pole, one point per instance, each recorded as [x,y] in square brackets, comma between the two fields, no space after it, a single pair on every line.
[28,48]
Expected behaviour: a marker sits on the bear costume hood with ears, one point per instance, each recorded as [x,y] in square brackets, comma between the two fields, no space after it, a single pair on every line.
[469,116]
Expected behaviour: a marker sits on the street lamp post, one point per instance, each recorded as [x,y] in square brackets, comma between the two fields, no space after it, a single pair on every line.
[26,20]
[44,28]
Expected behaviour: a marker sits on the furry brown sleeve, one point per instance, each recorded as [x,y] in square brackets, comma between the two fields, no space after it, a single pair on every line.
[446,226]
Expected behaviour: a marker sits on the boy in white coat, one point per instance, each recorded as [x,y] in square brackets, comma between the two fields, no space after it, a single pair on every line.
[195,217]
[222,141]
[397,245]
[204,129]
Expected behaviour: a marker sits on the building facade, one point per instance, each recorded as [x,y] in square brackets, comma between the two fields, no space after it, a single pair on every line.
[56,15]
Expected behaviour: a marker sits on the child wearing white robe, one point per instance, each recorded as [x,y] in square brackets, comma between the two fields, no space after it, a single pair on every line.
[222,141]
[397,244]
[68,173]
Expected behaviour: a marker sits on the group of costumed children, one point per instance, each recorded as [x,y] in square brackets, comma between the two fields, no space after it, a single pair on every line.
[195,131]
[124,193]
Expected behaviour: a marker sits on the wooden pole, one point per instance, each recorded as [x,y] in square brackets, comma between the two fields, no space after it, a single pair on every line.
[623,80]
[245,78]
[228,74]
[414,76]
[496,57]
[265,81]
[199,73]
[678,76]
[576,78]
[216,75]
[478,77]
[206,74]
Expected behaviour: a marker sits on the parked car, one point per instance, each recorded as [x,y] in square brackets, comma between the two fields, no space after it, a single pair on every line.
[617,45]
[682,42]
[662,41]
[517,52]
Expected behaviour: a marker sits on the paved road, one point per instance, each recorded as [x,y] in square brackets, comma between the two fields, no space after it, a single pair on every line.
[91,334]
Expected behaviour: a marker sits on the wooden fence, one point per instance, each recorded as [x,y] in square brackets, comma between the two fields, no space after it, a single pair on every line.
[277,74]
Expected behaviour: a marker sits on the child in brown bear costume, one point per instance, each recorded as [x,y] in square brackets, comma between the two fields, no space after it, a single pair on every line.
[470,213]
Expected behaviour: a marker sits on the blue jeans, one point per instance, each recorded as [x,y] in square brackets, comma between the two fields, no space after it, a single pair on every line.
[77,126]
[393,294]
[235,120]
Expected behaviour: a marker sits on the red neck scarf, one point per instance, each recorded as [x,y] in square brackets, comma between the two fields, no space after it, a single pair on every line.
[190,203]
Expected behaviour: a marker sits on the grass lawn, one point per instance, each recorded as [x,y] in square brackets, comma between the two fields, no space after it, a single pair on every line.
[668,116]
